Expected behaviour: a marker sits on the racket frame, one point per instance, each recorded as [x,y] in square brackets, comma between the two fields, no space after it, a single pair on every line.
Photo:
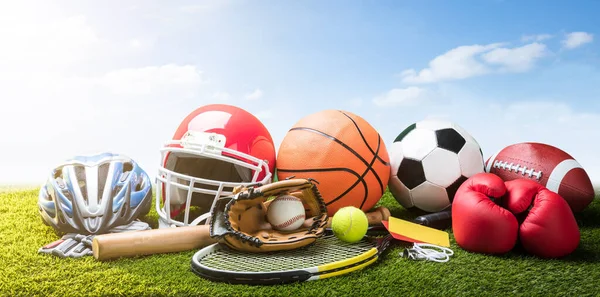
[332,269]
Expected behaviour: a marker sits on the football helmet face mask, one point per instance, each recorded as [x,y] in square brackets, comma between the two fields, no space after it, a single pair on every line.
[216,148]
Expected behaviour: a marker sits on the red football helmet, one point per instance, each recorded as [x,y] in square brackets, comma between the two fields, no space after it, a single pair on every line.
[217,147]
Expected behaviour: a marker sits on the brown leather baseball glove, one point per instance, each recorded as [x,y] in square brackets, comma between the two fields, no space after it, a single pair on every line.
[240,221]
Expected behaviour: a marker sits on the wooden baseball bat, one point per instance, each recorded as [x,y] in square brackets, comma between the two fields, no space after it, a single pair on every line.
[178,239]
[149,242]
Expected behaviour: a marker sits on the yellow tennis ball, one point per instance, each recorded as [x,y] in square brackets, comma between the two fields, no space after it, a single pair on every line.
[349,224]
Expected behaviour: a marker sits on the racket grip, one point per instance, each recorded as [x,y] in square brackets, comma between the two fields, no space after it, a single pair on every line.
[437,220]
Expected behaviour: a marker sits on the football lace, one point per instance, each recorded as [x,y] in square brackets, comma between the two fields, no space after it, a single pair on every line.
[531,172]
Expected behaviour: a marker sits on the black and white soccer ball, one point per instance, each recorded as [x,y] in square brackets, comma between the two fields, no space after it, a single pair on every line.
[429,160]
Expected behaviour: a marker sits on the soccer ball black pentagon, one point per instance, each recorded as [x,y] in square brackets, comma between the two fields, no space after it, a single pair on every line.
[429,161]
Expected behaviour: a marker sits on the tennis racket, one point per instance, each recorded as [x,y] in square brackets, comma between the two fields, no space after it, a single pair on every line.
[327,257]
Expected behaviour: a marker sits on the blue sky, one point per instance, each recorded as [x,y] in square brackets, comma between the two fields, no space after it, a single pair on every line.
[127,72]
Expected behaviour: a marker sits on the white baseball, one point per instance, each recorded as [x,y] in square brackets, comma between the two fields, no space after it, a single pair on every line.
[286,213]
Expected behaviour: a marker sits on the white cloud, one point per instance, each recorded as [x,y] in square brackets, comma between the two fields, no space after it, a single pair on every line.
[396,97]
[517,59]
[496,125]
[577,39]
[553,122]
[39,41]
[135,43]
[538,37]
[476,60]
[56,44]
[132,111]
[64,101]
[205,7]
[141,43]
[457,63]
[93,88]
[255,95]
[153,80]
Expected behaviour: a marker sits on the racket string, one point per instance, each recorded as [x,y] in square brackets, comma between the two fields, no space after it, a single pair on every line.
[327,250]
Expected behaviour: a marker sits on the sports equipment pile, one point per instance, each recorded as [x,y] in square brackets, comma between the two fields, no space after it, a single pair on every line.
[239,221]
[257,215]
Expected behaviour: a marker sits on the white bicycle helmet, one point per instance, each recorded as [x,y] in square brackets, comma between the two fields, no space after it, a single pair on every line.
[93,194]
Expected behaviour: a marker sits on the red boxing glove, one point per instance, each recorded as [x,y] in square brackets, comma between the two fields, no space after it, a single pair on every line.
[480,224]
[548,228]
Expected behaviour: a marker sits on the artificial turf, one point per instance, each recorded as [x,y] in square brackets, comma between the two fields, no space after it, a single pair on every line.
[25,272]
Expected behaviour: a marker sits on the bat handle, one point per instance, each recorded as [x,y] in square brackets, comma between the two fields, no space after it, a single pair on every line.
[379,214]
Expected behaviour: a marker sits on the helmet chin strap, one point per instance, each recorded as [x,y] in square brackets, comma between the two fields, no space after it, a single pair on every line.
[162,224]
[205,216]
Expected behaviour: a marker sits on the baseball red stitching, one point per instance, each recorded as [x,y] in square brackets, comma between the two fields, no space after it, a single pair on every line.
[290,221]
[287,198]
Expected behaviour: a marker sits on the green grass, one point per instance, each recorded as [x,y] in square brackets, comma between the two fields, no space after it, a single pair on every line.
[25,272]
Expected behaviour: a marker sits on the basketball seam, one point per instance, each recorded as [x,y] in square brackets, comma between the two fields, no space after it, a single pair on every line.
[358,177]
[363,138]
[334,139]
[365,173]
[359,157]
[376,154]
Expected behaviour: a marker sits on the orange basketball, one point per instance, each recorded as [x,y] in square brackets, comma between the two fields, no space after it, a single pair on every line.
[342,152]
